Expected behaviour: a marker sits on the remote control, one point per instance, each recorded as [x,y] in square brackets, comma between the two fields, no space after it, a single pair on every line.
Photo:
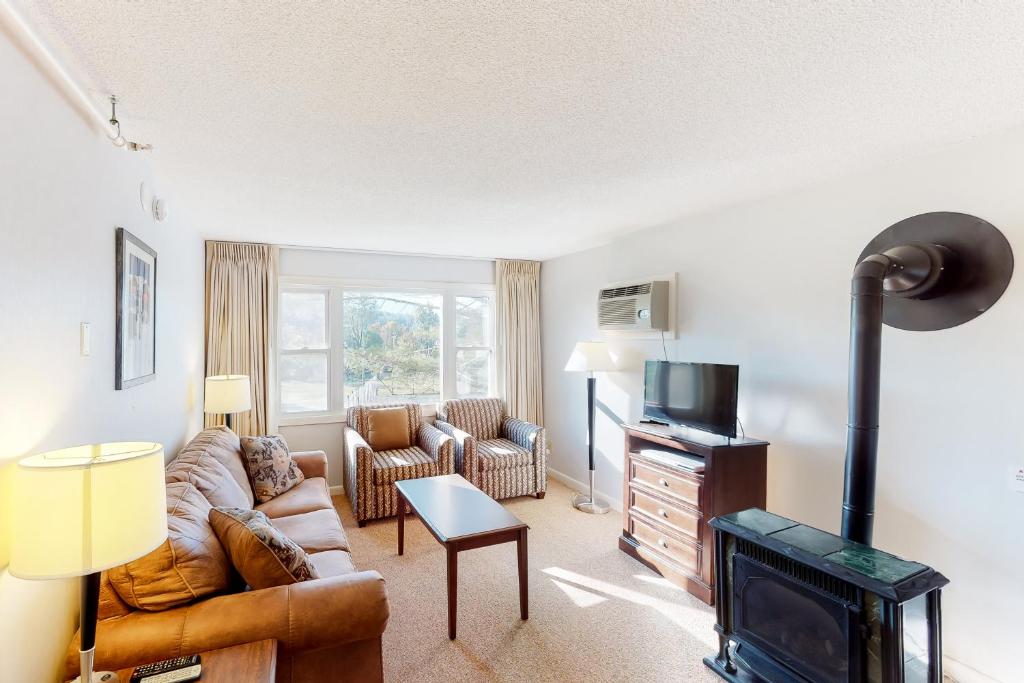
[189,673]
[147,673]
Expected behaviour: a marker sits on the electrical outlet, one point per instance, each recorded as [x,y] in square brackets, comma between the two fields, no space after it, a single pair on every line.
[1017,478]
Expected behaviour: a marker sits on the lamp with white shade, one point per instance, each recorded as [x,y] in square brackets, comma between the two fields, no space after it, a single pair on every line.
[590,357]
[226,395]
[79,511]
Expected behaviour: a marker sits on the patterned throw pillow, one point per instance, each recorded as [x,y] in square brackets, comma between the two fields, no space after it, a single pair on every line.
[263,555]
[270,465]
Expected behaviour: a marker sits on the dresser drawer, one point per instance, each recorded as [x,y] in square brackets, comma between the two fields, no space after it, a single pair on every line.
[666,482]
[658,539]
[672,515]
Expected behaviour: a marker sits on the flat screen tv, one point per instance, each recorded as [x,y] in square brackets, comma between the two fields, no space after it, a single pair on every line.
[698,395]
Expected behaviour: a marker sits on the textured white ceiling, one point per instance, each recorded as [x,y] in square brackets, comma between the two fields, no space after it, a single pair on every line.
[526,129]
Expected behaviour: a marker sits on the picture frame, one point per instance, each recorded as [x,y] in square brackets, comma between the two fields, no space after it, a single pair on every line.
[135,296]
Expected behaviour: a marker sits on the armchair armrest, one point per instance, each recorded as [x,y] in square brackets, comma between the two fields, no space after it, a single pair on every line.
[303,616]
[523,433]
[464,446]
[311,463]
[439,445]
[358,474]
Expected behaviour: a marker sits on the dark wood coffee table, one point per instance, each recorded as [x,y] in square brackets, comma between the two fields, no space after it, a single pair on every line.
[462,517]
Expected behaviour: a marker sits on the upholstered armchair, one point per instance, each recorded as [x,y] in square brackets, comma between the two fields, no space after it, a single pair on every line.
[370,475]
[500,455]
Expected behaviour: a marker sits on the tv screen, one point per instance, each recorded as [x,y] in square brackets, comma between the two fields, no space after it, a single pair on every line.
[698,395]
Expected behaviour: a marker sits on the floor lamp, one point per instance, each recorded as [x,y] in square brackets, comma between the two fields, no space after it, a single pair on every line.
[79,511]
[590,357]
[226,395]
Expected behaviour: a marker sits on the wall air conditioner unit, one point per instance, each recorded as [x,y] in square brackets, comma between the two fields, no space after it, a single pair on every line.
[642,307]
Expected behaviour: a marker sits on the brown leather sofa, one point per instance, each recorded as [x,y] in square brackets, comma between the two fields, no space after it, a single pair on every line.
[327,629]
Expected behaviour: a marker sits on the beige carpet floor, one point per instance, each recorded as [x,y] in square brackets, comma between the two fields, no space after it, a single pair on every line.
[595,613]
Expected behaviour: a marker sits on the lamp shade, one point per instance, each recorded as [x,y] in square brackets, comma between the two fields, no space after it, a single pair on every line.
[590,357]
[81,510]
[227,394]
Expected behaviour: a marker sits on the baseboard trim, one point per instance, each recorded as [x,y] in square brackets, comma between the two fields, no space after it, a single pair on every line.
[954,670]
[613,503]
[337,490]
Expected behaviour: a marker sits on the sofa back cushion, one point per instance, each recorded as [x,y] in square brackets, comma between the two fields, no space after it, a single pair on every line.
[261,553]
[190,564]
[480,417]
[212,462]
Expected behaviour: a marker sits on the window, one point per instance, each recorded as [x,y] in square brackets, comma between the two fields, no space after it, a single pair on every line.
[304,367]
[392,347]
[473,348]
[355,343]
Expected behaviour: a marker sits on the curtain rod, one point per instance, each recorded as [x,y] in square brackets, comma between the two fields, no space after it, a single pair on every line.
[374,252]
[38,52]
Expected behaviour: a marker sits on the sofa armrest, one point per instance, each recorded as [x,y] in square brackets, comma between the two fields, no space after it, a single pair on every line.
[439,445]
[303,616]
[465,447]
[312,463]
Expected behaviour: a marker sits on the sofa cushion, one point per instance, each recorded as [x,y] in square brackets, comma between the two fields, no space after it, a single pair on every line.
[212,462]
[388,428]
[314,531]
[407,463]
[190,564]
[270,466]
[311,494]
[262,554]
[500,454]
[332,562]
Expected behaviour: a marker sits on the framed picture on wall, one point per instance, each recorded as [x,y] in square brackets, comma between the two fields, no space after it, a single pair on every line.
[135,346]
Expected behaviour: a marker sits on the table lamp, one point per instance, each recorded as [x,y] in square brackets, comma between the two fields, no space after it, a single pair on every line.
[79,511]
[590,357]
[226,395]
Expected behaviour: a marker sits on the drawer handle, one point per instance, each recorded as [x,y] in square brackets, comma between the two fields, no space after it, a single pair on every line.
[663,512]
[663,543]
[663,482]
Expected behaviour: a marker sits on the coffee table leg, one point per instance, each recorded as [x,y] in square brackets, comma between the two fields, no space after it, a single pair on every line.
[401,524]
[453,588]
[524,583]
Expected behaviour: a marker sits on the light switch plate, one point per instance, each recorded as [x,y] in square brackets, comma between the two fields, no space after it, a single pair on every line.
[1017,478]
[84,342]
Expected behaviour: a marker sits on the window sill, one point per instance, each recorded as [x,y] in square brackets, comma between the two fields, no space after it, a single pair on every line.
[428,410]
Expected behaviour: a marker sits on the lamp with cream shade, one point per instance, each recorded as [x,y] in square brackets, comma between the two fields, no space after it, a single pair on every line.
[590,357]
[226,395]
[79,511]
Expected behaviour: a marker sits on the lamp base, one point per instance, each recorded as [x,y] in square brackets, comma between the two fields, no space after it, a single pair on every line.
[587,503]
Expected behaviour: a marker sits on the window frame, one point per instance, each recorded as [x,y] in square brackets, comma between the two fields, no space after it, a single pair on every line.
[336,289]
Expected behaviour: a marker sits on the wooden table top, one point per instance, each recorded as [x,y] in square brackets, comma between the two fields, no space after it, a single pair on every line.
[251,662]
[454,509]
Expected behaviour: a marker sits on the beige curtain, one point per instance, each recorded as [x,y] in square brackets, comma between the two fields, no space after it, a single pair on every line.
[518,328]
[241,297]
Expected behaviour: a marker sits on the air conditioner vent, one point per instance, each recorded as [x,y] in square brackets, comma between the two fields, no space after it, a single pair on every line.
[631,290]
[641,306]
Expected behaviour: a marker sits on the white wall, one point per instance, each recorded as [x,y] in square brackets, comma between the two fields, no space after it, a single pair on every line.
[766,285]
[63,190]
[352,265]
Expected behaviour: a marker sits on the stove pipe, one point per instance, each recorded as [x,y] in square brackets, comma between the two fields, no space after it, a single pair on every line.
[916,271]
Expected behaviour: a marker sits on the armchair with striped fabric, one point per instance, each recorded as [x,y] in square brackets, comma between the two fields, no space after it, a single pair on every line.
[370,475]
[500,455]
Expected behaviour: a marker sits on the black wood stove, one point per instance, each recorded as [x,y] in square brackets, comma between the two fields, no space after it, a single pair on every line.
[799,605]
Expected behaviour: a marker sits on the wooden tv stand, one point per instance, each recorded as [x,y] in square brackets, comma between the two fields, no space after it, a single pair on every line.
[675,481]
